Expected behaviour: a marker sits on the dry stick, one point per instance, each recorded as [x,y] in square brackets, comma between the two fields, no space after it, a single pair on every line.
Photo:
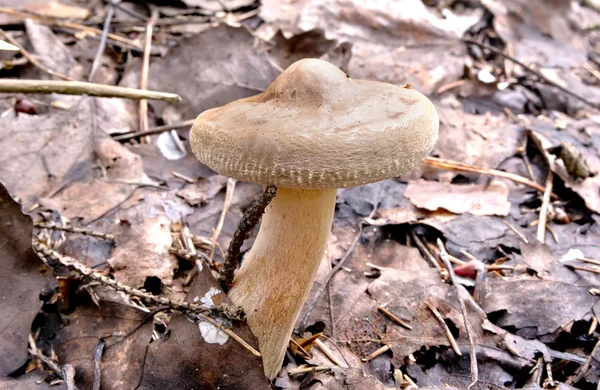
[458,166]
[35,352]
[338,266]
[444,325]
[54,258]
[249,220]
[154,130]
[303,370]
[585,367]
[102,44]
[541,229]
[530,70]
[424,251]
[392,317]
[60,23]
[328,353]
[32,59]
[69,229]
[586,260]
[463,309]
[228,196]
[517,232]
[377,352]
[143,104]
[82,88]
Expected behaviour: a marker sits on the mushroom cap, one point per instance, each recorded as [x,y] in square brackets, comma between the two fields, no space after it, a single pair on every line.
[316,128]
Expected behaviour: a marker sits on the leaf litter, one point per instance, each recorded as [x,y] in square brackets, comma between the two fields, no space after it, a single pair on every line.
[531,308]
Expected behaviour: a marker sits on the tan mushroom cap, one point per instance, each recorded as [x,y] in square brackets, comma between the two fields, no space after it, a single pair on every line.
[316,128]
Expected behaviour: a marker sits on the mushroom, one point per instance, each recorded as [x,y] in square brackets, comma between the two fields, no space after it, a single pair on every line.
[312,131]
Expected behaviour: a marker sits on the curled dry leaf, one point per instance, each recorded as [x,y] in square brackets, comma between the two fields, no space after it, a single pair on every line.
[21,283]
[475,199]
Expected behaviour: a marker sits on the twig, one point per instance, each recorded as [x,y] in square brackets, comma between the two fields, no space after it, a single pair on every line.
[217,232]
[594,270]
[102,44]
[249,220]
[531,70]
[32,59]
[449,335]
[392,317]
[81,88]
[183,177]
[53,259]
[34,351]
[154,130]
[143,103]
[377,352]
[583,369]
[304,369]
[541,229]
[131,12]
[328,353]
[593,325]
[463,309]
[310,305]
[424,251]
[60,23]
[85,232]
[517,232]
[97,360]
[586,260]
[300,348]
[462,167]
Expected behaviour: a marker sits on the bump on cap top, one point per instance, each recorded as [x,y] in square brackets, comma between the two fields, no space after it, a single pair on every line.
[316,128]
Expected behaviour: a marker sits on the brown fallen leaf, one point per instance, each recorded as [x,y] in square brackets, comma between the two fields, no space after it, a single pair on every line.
[22,283]
[193,360]
[460,198]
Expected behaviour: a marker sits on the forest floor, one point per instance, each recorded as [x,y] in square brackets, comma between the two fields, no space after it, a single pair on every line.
[121,211]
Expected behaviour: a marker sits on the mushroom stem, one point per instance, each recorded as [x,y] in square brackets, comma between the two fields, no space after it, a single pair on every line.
[279,270]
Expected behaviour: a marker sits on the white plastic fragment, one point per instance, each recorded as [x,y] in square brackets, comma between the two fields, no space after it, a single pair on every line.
[211,334]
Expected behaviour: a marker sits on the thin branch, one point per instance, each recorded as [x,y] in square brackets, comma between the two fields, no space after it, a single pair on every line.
[531,70]
[82,88]
[462,167]
[541,229]
[32,59]
[54,259]
[154,130]
[463,309]
[102,44]
[444,325]
[249,220]
[70,229]
[143,104]
[226,204]
[392,317]
[61,23]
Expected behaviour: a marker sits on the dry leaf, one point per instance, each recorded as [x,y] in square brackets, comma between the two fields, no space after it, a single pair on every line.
[475,199]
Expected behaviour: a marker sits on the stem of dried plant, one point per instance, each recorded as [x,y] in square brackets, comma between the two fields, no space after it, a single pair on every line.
[462,167]
[463,309]
[226,204]
[143,103]
[541,229]
[154,130]
[82,88]
[102,44]
[69,229]
[32,59]
[449,335]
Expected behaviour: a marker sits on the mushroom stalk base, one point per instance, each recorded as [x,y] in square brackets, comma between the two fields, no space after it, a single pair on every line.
[278,272]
